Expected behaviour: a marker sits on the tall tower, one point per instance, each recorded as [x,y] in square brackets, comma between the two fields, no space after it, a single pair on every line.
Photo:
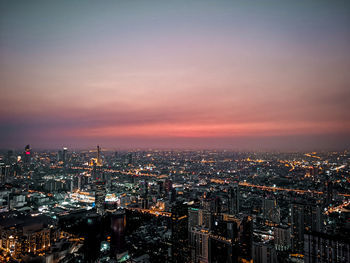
[27,154]
[297,223]
[64,155]
[118,225]
[100,196]
[99,162]
[329,191]
[233,200]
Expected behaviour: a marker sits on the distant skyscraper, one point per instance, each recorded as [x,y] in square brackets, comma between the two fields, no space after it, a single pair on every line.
[168,185]
[329,191]
[27,155]
[128,158]
[98,159]
[64,155]
[233,200]
[59,156]
[4,173]
[297,224]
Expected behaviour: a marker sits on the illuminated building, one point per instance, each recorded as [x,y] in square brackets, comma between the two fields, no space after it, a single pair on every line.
[98,159]
[211,204]
[24,235]
[219,237]
[304,218]
[64,155]
[199,244]
[329,191]
[168,185]
[100,196]
[27,154]
[224,239]
[282,238]
[179,233]
[297,224]
[271,211]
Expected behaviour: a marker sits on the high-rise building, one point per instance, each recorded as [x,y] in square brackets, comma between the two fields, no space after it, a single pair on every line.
[264,252]
[179,233]
[5,171]
[282,238]
[192,217]
[64,155]
[118,227]
[297,227]
[271,211]
[128,159]
[245,238]
[233,200]
[304,218]
[59,156]
[222,250]
[217,237]
[168,185]
[27,154]
[199,244]
[98,158]
[25,235]
[320,247]
[329,191]
[314,218]
[224,239]
[100,196]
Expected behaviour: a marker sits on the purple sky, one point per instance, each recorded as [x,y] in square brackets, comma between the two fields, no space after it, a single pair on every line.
[186,74]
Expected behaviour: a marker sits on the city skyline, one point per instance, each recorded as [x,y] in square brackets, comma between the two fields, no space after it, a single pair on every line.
[187,75]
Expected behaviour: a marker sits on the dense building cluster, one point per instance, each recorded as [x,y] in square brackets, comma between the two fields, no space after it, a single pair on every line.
[174,206]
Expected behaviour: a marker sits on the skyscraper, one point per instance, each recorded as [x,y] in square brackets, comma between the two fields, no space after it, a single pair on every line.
[233,200]
[179,233]
[118,225]
[320,247]
[304,218]
[100,195]
[271,211]
[64,155]
[27,154]
[329,191]
[98,159]
[297,224]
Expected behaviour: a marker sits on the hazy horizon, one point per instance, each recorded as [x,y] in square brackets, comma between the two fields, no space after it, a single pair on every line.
[183,74]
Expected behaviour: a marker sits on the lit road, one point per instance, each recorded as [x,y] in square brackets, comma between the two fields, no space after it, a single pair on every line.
[338,208]
[150,211]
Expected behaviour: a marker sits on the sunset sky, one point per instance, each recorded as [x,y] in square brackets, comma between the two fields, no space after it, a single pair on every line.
[255,75]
